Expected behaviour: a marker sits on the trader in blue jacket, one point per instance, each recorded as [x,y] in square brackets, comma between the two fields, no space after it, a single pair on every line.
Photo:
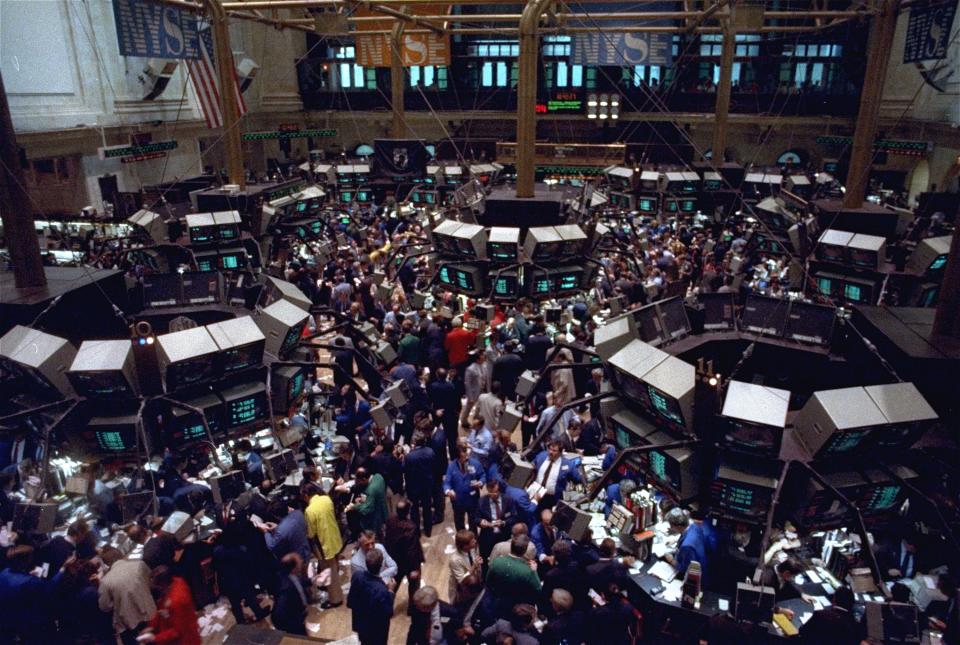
[553,472]
[462,483]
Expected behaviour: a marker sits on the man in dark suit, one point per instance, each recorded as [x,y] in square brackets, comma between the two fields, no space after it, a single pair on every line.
[567,624]
[608,569]
[434,621]
[371,602]
[445,403]
[290,599]
[497,513]
[536,348]
[78,541]
[900,558]
[567,576]
[25,599]
[437,441]
[419,470]
[401,539]
[835,624]
[343,358]
[781,577]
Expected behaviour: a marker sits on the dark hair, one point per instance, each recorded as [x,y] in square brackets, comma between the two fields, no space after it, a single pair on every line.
[555,442]
[110,555]
[563,550]
[374,560]
[519,545]
[279,509]
[161,577]
[790,566]
[900,592]
[608,548]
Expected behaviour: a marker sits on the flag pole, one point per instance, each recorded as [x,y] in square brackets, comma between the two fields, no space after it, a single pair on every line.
[229,108]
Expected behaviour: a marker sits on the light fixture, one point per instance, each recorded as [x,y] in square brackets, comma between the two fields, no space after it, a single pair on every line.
[156,75]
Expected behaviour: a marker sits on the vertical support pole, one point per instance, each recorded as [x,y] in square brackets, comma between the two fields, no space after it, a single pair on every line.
[722,109]
[229,107]
[878,54]
[946,321]
[527,94]
[15,207]
[396,82]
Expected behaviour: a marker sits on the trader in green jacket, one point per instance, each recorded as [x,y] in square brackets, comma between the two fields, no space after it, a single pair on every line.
[370,505]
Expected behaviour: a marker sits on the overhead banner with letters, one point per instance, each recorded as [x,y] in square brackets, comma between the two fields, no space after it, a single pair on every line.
[421,48]
[928,31]
[622,48]
[153,30]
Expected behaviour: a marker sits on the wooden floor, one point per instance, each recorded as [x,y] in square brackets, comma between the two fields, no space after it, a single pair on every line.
[334,624]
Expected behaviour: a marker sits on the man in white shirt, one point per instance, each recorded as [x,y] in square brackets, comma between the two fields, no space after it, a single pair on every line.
[475,383]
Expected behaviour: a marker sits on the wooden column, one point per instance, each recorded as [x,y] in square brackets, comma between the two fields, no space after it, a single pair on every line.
[878,54]
[396,82]
[527,95]
[229,107]
[15,207]
[722,109]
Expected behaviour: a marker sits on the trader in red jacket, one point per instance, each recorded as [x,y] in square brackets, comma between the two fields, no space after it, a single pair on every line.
[458,343]
[176,617]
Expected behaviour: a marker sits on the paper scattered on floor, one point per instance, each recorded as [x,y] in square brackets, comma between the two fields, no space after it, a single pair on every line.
[349,640]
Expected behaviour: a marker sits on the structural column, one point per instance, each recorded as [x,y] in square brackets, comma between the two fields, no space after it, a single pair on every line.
[878,54]
[946,322]
[229,107]
[15,207]
[527,95]
[396,82]
[722,110]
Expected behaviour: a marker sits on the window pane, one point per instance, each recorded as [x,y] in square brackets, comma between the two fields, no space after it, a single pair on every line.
[735,73]
[501,74]
[428,74]
[837,50]
[561,74]
[483,50]
[357,76]
[345,78]
[577,76]
[816,74]
[515,50]
[654,73]
[788,50]
[824,50]
[801,50]
[716,74]
[801,74]
[414,75]
[487,80]
[754,50]
[741,50]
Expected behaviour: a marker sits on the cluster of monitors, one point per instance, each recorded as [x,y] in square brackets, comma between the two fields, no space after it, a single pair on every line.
[793,320]
[663,407]
[650,204]
[872,492]
[473,280]
[207,367]
[181,289]
[307,207]
[214,233]
[360,196]
[227,411]
[234,259]
[846,288]
[422,197]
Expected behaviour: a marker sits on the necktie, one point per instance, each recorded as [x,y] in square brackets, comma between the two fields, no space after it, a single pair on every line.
[546,474]
[498,509]
[905,565]
[470,558]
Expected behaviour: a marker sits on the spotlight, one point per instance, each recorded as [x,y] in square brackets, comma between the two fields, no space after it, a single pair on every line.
[157,73]
[246,72]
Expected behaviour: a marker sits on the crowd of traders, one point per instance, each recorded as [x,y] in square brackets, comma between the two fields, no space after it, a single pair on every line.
[513,575]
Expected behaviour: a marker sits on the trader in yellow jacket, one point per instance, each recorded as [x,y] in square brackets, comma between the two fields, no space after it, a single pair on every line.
[324,535]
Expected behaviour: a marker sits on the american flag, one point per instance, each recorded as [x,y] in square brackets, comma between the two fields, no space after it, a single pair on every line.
[203,73]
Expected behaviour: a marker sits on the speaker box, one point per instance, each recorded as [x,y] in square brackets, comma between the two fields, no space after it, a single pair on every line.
[572,521]
[181,525]
[521,471]
[384,414]
[510,417]
[526,383]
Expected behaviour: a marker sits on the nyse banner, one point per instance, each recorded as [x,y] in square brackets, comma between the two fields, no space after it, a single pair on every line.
[153,30]
[928,32]
[621,49]
[419,48]
[593,47]
[375,50]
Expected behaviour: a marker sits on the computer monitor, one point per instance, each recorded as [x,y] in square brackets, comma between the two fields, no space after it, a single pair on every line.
[133,506]
[185,426]
[34,518]
[233,261]
[201,288]
[461,278]
[858,291]
[346,196]
[245,404]
[754,604]
[227,487]
[161,290]
[752,437]
[113,435]
[893,623]
[741,494]
[567,280]
[506,285]
[688,205]
[647,204]
[665,405]
[280,464]
[665,471]
[364,196]
[288,383]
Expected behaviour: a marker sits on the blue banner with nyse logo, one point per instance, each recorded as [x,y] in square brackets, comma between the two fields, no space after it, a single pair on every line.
[153,30]
[928,31]
[621,48]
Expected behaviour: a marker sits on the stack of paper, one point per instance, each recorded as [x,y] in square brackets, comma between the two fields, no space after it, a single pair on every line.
[663,570]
